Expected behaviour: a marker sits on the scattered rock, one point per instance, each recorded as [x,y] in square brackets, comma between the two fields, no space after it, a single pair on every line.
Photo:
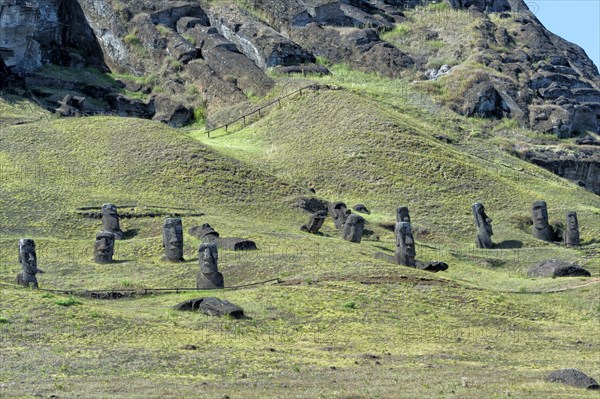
[303,69]
[211,306]
[432,266]
[171,112]
[574,378]
[310,204]
[190,347]
[71,105]
[557,268]
[587,140]
[236,244]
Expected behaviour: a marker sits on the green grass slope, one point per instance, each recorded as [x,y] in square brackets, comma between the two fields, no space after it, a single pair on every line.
[341,324]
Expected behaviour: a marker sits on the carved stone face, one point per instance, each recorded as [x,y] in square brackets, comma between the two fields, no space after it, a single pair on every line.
[339,213]
[110,218]
[104,248]
[173,239]
[27,256]
[353,228]
[405,239]
[539,214]
[483,221]
[402,214]
[572,223]
[208,257]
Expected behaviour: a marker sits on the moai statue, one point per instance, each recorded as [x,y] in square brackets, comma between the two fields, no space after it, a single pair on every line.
[405,245]
[104,248]
[209,276]
[110,221]
[541,228]
[339,213]
[353,228]
[484,226]
[28,261]
[402,214]
[207,233]
[173,240]
[315,222]
[572,231]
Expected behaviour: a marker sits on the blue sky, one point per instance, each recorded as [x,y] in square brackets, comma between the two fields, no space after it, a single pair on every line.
[577,21]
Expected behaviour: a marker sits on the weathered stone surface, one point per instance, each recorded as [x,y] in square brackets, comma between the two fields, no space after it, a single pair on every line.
[305,69]
[311,204]
[315,223]
[212,307]
[171,112]
[172,234]
[28,261]
[4,72]
[236,244]
[484,226]
[405,245]
[571,233]
[402,214]
[587,140]
[574,378]
[71,106]
[209,276]
[110,221]
[205,232]
[541,229]
[130,107]
[353,228]
[557,268]
[361,208]
[104,247]
[339,213]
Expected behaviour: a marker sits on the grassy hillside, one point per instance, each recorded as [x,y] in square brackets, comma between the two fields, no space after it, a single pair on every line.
[341,324]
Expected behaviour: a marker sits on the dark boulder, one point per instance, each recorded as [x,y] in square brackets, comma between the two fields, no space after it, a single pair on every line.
[212,307]
[587,140]
[557,268]
[171,112]
[205,232]
[361,208]
[236,244]
[432,266]
[4,72]
[311,204]
[574,378]
[305,69]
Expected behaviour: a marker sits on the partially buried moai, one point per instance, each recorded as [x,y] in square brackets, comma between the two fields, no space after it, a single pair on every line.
[173,240]
[402,214]
[28,261]
[209,276]
[541,229]
[405,244]
[484,226]
[353,228]
[571,233]
[339,213]
[110,221]
[104,248]
[315,222]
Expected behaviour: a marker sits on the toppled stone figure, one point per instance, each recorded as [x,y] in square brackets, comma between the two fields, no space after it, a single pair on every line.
[405,245]
[71,106]
[209,276]
[205,232]
[541,228]
[110,221]
[484,226]
[571,233]
[173,240]
[236,244]
[339,213]
[353,228]
[212,307]
[104,247]
[557,268]
[402,214]
[28,261]
[315,222]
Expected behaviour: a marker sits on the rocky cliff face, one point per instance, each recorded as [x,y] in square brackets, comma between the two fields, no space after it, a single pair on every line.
[506,64]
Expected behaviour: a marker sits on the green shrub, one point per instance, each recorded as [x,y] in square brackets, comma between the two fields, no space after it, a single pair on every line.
[70,301]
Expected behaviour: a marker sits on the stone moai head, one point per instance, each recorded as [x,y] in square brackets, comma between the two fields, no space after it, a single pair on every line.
[405,244]
[315,223]
[110,220]
[339,213]
[209,276]
[28,261]
[402,214]
[541,228]
[207,233]
[484,226]
[571,234]
[173,240]
[353,228]
[104,247]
